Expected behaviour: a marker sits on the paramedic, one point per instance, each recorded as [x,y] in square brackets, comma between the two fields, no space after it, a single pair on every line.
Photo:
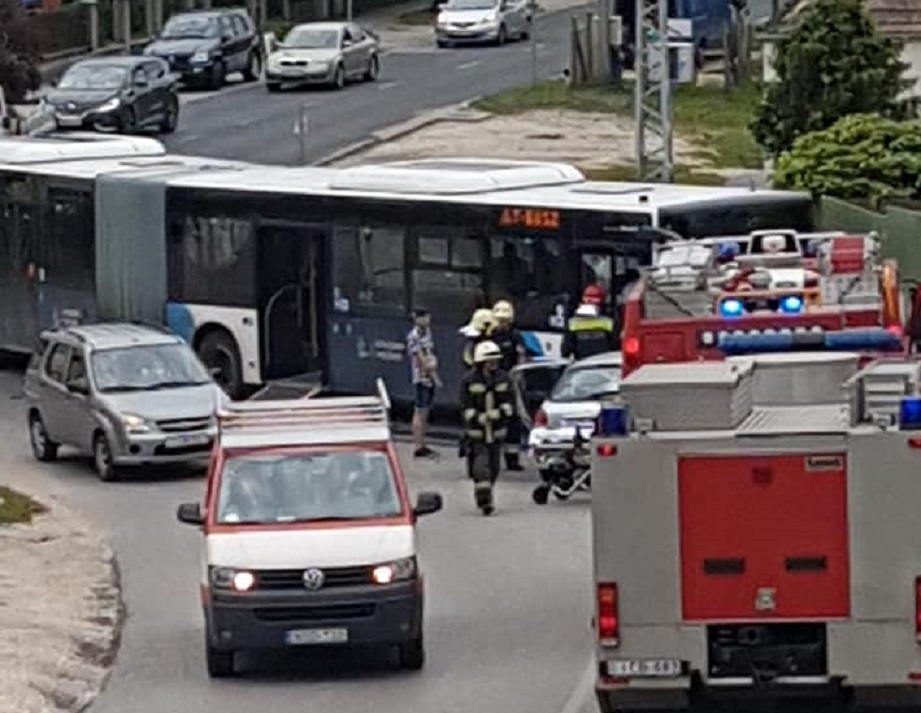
[511,344]
[487,408]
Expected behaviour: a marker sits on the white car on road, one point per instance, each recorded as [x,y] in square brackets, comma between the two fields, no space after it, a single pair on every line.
[477,21]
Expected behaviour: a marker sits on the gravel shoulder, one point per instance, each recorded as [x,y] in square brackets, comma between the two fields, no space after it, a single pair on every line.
[60,613]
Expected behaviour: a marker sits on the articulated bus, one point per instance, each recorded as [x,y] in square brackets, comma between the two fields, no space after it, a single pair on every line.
[310,274]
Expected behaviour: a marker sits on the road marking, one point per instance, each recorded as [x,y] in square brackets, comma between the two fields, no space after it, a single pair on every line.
[582,694]
[187,139]
[389,85]
[467,65]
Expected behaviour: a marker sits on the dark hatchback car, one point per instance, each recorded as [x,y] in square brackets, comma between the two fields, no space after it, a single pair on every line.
[204,46]
[123,94]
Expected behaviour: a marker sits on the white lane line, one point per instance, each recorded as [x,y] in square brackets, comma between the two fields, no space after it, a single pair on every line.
[581,695]
[467,65]
[389,85]
[187,139]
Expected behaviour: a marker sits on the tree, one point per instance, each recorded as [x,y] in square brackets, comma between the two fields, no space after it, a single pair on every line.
[864,156]
[18,53]
[834,63]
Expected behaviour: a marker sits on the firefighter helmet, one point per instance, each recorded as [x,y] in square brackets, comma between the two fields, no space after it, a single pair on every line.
[486,351]
[593,295]
[503,311]
[481,321]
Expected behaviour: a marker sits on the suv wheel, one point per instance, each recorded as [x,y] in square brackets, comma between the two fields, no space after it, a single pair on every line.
[102,459]
[129,121]
[253,68]
[43,447]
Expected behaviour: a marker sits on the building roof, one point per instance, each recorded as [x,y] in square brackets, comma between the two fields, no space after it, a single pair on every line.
[898,19]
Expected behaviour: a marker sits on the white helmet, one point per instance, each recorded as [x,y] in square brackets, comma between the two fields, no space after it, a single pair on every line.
[486,351]
[587,311]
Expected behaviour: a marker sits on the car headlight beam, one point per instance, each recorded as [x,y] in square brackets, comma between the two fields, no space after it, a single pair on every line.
[237,580]
[136,424]
[396,571]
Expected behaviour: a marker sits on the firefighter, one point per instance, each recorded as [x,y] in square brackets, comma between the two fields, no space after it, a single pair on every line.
[479,329]
[487,407]
[510,343]
[588,332]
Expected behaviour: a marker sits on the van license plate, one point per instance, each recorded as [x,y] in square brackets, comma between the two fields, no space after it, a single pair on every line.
[644,668]
[301,637]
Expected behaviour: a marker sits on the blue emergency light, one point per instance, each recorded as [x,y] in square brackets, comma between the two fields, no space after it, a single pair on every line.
[858,339]
[728,250]
[910,413]
[742,343]
[732,307]
[613,420]
[791,304]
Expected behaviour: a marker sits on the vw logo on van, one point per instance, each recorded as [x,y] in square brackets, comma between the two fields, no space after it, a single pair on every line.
[313,579]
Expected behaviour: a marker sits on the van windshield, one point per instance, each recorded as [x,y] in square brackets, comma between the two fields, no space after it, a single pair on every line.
[306,487]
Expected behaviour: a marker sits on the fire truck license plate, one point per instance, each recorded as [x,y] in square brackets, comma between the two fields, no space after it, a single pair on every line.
[644,668]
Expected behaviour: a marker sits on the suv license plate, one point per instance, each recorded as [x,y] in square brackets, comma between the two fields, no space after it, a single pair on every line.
[644,668]
[300,637]
[183,441]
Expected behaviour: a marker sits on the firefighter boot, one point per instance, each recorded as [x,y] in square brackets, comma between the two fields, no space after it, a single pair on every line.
[483,494]
[513,461]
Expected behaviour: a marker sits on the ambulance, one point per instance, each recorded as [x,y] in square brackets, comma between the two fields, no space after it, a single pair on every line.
[755,533]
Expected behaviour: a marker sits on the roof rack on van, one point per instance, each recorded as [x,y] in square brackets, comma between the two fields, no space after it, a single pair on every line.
[308,420]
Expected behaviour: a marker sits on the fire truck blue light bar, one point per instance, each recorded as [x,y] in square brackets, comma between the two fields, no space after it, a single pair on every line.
[846,340]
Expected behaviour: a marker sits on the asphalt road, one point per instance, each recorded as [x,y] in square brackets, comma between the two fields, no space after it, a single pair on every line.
[244,122]
[507,618]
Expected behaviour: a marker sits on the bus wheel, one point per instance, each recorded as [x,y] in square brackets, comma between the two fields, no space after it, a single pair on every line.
[219,353]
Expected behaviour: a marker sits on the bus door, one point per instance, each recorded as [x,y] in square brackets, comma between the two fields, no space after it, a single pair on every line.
[290,284]
[19,325]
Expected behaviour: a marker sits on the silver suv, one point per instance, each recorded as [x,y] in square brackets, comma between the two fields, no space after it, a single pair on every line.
[126,393]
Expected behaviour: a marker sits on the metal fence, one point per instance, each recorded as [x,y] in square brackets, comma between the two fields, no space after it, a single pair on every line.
[900,229]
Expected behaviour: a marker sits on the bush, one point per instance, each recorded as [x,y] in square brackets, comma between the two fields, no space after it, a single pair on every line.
[18,53]
[834,63]
[864,156]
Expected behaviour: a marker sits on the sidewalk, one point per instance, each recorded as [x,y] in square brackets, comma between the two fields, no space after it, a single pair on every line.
[60,611]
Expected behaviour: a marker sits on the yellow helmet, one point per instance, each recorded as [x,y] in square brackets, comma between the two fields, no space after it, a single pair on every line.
[503,311]
[481,321]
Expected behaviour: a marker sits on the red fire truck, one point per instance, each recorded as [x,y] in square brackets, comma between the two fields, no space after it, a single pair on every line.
[755,533]
[768,291]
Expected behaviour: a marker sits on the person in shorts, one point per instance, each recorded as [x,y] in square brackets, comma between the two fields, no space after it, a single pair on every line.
[420,348]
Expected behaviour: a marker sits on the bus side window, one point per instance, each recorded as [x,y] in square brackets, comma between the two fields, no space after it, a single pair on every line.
[447,275]
[369,266]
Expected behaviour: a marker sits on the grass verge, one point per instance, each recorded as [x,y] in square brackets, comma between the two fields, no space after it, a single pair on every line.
[716,121]
[16,507]
[420,16]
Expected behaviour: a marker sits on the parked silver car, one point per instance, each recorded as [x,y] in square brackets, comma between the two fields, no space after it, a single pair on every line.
[126,393]
[478,21]
[574,403]
[330,53]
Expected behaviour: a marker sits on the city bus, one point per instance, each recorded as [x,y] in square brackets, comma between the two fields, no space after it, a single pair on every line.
[310,275]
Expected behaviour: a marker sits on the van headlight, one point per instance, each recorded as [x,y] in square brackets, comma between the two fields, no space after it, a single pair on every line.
[396,571]
[237,580]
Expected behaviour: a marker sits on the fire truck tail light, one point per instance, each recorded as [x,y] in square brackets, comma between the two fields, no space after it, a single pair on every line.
[631,346]
[910,415]
[914,443]
[606,450]
[896,329]
[917,609]
[540,418]
[608,615]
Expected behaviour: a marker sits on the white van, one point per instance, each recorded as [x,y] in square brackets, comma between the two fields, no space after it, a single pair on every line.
[309,533]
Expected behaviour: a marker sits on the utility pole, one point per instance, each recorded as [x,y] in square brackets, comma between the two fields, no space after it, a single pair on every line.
[653,98]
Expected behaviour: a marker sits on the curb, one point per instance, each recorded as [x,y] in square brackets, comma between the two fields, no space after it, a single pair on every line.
[397,131]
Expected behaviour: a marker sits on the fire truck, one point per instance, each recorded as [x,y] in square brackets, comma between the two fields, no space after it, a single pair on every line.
[755,533]
[768,291]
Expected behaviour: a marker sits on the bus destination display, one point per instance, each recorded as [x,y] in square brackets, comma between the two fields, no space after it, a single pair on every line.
[534,218]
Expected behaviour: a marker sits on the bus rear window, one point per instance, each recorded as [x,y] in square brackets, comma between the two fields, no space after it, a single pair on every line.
[741,217]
